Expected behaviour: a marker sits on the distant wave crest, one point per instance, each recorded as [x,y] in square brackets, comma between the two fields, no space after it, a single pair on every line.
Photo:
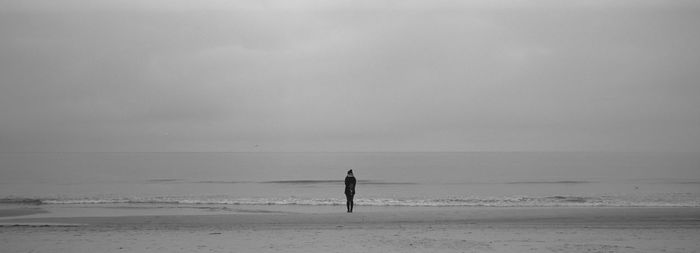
[291,182]
[370,182]
[219,182]
[163,180]
[553,182]
[303,181]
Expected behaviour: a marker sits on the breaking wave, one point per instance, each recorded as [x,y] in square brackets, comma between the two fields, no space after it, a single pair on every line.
[516,201]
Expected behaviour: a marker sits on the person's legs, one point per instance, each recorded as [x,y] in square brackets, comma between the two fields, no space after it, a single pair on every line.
[352,201]
[348,198]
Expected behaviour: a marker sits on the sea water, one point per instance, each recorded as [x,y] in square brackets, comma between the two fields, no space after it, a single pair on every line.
[462,179]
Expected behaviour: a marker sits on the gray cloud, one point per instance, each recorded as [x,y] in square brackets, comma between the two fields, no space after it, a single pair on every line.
[369,76]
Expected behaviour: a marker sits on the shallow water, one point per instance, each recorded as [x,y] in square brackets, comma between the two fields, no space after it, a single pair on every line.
[386,179]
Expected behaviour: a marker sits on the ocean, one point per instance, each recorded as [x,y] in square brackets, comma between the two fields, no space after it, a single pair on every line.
[460,179]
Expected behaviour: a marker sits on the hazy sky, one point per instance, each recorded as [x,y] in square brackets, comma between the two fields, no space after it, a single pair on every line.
[143,75]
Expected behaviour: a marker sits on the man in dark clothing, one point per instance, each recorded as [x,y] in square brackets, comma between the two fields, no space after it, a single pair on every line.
[350,190]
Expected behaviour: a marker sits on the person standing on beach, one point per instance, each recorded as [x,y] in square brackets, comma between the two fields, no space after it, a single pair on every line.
[350,190]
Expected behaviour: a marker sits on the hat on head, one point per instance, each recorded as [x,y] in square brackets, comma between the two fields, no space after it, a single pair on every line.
[349,171]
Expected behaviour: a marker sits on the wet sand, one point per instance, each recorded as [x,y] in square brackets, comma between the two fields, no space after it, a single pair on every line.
[274,229]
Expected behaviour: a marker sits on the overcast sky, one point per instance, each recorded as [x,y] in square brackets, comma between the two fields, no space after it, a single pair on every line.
[156,75]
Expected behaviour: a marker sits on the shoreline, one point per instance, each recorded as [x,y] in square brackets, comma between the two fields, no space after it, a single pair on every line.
[259,229]
[265,215]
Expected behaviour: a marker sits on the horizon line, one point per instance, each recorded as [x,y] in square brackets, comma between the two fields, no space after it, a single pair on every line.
[261,152]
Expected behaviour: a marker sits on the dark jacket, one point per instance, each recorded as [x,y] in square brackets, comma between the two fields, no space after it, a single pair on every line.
[350,185]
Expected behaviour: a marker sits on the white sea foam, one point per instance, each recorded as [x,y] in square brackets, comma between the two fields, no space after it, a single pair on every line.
[513,201]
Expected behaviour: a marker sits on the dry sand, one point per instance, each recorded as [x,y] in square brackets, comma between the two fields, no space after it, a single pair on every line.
[252,229]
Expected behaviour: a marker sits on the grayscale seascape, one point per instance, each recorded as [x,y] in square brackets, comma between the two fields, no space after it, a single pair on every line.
[349,126]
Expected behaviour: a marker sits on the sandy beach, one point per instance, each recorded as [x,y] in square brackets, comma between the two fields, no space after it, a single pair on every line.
[266,229]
